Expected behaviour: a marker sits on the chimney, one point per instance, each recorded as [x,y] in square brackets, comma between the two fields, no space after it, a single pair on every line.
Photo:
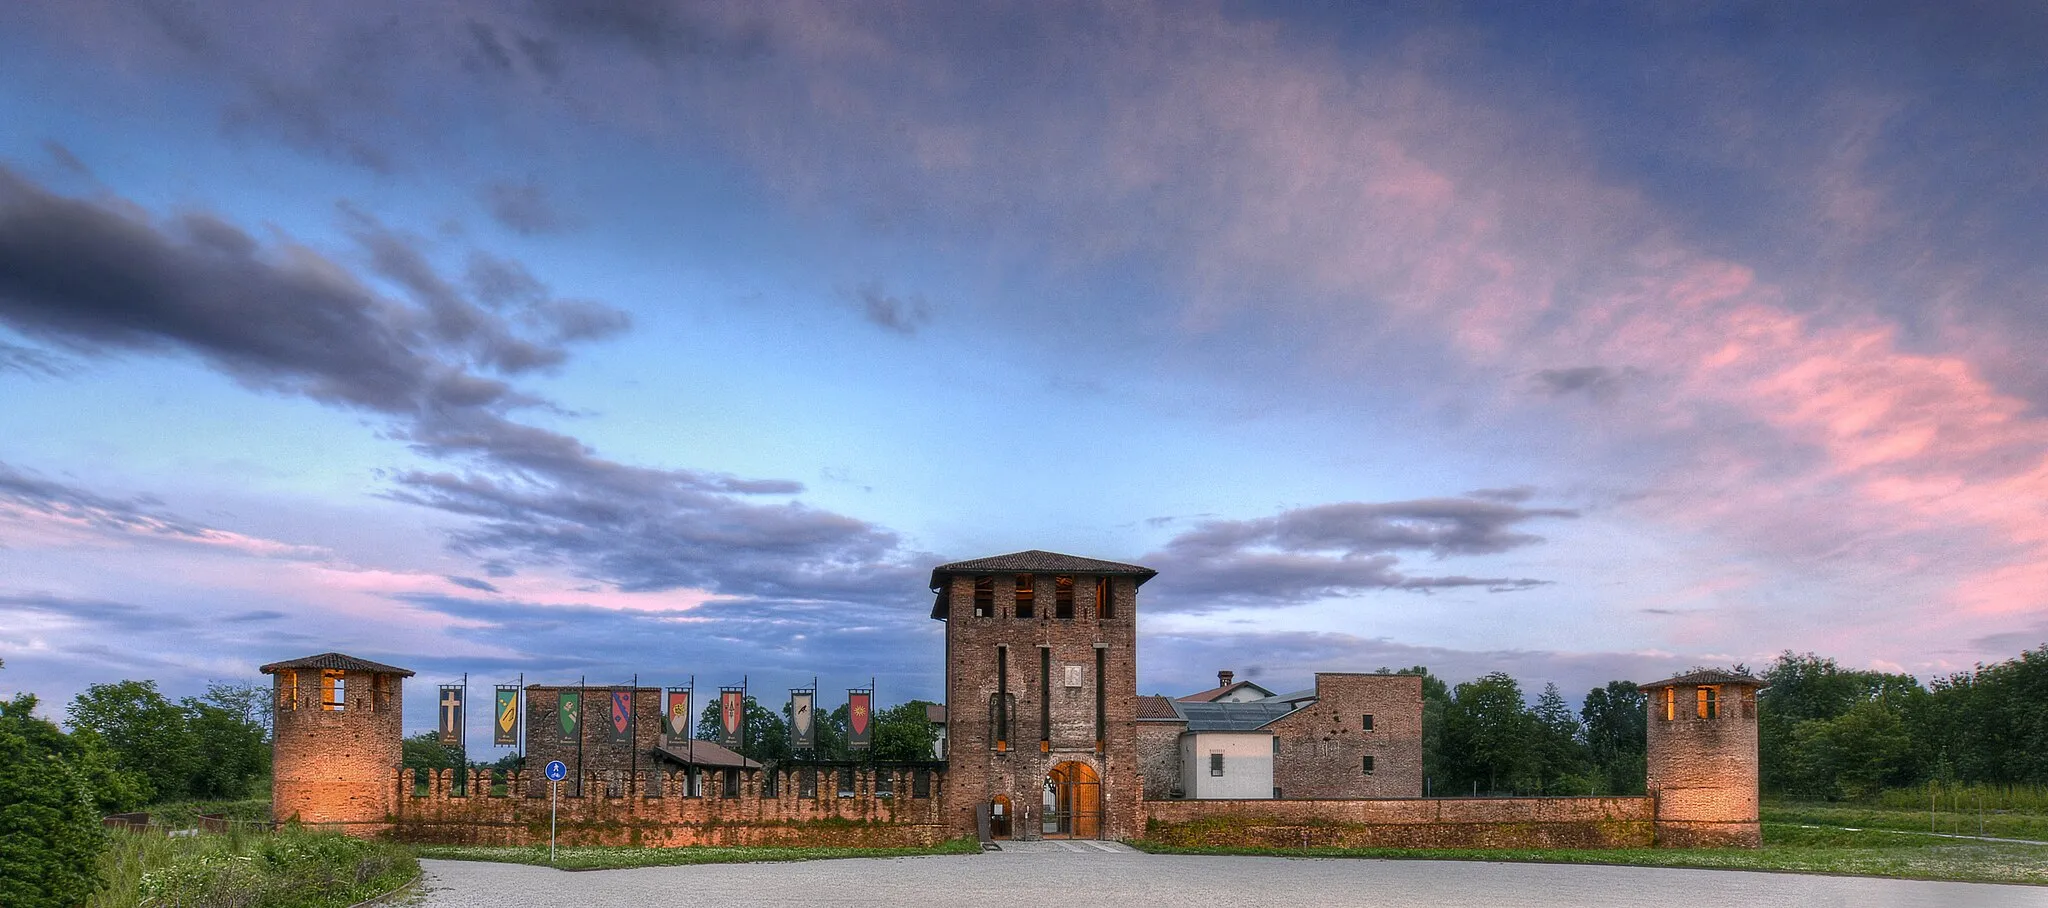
[1223,678]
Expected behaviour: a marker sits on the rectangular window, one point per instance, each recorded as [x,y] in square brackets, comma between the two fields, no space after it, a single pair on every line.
[1276,745]
[1101,703]
[984,597]
[1367,722]
[1709,701]
[1105,600]
[1001,706]
[333,693]
[1027,596]
[1063,597]
[1045,694]
[1670,703]
[1215,764]
[1276,792]
[1368,764]
[287,690]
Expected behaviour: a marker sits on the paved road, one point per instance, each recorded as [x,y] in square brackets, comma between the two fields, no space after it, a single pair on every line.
[1060,878]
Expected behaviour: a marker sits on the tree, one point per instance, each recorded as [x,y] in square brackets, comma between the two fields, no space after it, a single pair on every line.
[231,750]
[424,751]
[50,835]
[245,700]
[764,738]
[1616,722]
[905,732]
[146,733]
[1561,764]
[1488,736]
[1805,689]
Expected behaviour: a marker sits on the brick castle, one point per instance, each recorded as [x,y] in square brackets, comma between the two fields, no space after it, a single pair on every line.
[1046,736]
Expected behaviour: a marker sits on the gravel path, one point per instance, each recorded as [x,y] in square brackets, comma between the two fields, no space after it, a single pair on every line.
[1062,878]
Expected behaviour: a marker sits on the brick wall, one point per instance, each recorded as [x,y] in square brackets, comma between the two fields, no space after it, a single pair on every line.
[1159,756]
[668,818]
[1406,823]
[335,766]
[977,772]
[1703,772]
[1322,748]
[596,756]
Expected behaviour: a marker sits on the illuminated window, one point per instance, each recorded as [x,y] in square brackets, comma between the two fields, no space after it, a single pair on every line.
[1670,703]
[1368,764]
[984,597]
[1063,597]
[1215,764]
[1709,701]
[333,695]
[1105,603]
[1027,597]
[287,690]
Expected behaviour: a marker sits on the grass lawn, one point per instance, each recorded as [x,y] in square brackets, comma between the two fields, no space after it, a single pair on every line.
[2008,824]
[1786,848]
[238,870]
[614,858]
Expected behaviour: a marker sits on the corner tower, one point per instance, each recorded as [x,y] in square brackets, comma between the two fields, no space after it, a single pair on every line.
[337,746]
[1041,694]
[1702,752]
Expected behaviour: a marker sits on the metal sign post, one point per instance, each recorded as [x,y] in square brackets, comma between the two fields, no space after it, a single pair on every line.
[556,773]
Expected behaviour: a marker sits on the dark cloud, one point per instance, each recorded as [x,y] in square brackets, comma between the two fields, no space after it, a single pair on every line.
[1336,549]
[139,514]
[99,280]
[524,207]
[110,616]
[1598,382]
[254,615]
[471,583]
[901,314]
[662,31]
[1509,495]
[28,361]
[65,158]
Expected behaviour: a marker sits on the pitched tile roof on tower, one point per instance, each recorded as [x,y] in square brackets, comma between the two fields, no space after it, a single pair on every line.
[1706,676]
[1031,561]
[338,662]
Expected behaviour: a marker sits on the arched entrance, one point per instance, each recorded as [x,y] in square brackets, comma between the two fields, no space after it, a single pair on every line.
[1072,806]
[999,817]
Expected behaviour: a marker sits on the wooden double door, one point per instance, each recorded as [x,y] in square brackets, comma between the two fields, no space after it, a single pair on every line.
[1071,805]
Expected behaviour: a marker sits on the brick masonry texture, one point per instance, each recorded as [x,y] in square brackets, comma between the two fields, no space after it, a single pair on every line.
[667,818]
[1407,823]
[1322,747]
[596,756]
[1159,756]
[336,767]
[976,771]
[1703,772]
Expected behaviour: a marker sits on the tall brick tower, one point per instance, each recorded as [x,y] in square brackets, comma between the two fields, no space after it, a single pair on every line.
[337,747]
[1041,694]
[1703,759]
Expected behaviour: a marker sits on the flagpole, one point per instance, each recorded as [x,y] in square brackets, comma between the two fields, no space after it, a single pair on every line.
[519,721]
[633,720]
[580,694]
[462,736]
[692,746]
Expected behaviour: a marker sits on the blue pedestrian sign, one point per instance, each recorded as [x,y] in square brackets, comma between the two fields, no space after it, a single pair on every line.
[556,771]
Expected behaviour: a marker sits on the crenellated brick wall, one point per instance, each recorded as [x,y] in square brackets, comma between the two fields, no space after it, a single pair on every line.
[440,814]
[1605,822]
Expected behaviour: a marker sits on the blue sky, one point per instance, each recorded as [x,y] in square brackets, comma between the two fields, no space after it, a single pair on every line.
[594,339]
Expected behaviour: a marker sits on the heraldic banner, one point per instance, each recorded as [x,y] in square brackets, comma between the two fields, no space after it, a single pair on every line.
[803,732]
[620,717]
[505,731]
[451,714]
[675,716]
[732,715]
[571,716]
[860,720]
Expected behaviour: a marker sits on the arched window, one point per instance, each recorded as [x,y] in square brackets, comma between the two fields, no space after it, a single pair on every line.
[1002,719]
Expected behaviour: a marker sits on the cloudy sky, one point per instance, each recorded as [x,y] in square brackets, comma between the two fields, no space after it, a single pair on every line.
[586,339]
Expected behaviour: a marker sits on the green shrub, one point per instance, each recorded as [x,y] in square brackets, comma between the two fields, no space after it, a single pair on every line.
[287,870]
[50,835]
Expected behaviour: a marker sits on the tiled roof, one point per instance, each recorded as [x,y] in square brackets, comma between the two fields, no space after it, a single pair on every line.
[338,662]
[1156,707]
[1248,716]
[705,753]
[1706,676]
[1033,561]
[1210,695]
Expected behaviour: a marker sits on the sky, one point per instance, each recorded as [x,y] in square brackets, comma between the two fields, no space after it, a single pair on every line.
[602,339]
